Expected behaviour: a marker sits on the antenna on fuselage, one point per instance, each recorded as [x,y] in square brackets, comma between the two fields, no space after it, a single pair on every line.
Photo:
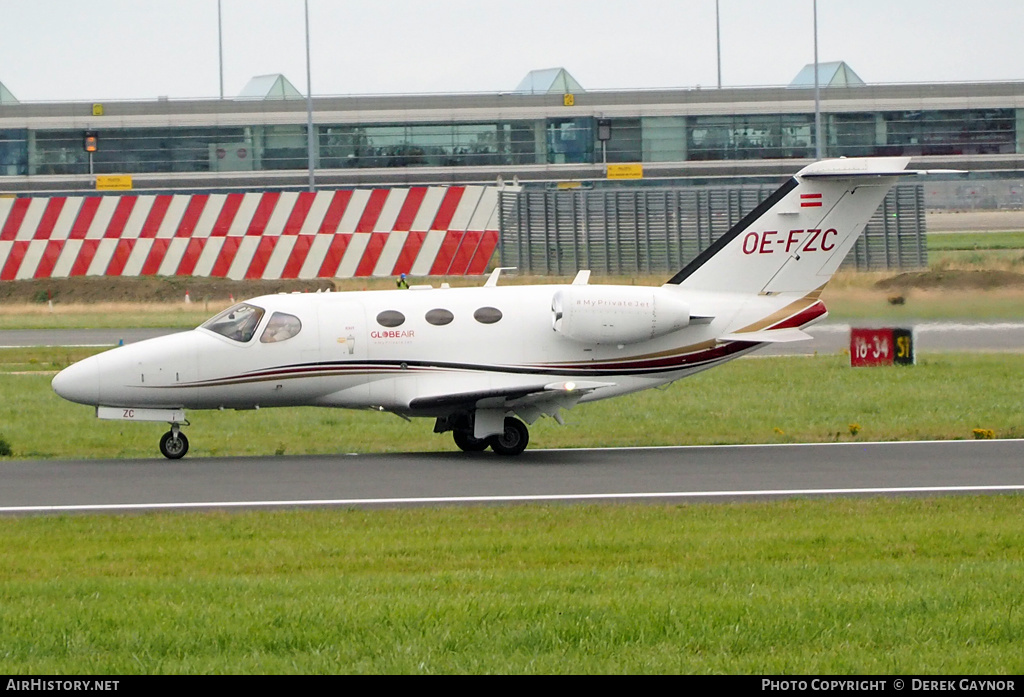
[492,280]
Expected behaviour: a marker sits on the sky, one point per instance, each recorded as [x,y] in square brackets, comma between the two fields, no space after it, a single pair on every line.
[91,50]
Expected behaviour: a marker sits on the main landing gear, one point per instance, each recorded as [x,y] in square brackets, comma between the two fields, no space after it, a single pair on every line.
[512,441]
[174,444]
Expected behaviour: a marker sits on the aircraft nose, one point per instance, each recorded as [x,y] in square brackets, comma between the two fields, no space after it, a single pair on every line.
[79,382]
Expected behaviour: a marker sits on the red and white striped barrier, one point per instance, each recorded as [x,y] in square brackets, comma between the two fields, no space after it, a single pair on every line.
[419,231]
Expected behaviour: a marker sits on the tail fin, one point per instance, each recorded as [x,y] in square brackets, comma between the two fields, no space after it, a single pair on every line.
[797,238]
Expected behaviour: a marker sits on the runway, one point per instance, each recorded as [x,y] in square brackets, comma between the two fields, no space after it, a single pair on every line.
[671,474]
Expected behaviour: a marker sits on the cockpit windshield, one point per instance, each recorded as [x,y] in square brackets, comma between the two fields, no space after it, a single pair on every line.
[237,323]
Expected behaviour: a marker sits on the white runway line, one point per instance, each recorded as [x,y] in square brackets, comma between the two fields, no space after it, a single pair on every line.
[510,499]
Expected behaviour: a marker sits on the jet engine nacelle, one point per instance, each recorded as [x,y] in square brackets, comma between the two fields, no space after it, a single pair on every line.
[617,314]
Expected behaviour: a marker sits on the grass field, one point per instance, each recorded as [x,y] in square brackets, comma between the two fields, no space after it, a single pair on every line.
[868,586]
[977,250]
[975,241]
[752,400]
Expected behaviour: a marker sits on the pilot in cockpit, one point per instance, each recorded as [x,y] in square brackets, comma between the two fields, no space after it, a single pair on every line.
[280,327]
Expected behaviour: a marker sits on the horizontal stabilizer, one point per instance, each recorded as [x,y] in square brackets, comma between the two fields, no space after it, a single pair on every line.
[849,168]
[769,336]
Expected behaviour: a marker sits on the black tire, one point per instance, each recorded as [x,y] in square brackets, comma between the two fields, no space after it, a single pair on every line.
[467,443]
[513,440]
[173,448]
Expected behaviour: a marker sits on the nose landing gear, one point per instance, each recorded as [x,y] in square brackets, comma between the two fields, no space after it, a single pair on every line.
[174,444]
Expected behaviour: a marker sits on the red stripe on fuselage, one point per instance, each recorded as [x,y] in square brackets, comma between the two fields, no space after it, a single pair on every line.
[808,314]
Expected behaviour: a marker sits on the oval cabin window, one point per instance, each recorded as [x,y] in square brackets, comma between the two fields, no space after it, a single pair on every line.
[390,318]
[439,317]
[487,315]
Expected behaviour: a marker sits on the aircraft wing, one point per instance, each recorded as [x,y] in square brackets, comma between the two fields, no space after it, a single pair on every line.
[769,336]
[530,402]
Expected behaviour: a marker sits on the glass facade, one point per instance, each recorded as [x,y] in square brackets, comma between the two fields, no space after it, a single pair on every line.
[570,141]
[427,145]
[969,132]
[13,151]
[550,140]
[759,136]
[141,151]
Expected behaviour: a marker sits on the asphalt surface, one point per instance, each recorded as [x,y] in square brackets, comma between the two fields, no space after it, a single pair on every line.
[700,473]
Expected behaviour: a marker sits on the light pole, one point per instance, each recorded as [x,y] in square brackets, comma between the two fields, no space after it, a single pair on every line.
[309,108]
[220,49]
[718,43]
[818,150]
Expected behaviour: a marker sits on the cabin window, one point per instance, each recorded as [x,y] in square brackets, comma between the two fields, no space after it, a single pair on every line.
[237,323]
[487,315]
[440,317]
[390,318]
[281,327]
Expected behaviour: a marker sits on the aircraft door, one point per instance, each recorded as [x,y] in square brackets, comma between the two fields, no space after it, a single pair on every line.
[343,350]
[342,332]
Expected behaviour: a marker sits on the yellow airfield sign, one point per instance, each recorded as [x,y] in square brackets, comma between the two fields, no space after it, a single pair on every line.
[629,171]
[113,182]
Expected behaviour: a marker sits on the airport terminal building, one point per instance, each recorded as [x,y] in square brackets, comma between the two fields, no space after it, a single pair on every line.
[548,129]
[549,177]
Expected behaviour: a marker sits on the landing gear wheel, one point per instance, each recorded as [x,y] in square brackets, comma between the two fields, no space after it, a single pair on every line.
[467,443]
[174,445]
[513,440]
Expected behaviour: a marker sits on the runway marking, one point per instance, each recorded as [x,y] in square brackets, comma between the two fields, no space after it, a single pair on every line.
[509,499]
[725,446]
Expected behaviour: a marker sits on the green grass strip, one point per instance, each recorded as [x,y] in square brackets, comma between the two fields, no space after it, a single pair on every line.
[753,400]
[869,586]
[948,241]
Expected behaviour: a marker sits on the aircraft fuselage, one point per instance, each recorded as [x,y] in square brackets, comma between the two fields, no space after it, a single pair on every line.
[448,340]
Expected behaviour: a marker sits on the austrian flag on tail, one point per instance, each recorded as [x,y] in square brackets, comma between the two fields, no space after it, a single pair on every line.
[810,200]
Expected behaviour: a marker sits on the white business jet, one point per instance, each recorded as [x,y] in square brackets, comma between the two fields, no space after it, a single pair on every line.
[482,361]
